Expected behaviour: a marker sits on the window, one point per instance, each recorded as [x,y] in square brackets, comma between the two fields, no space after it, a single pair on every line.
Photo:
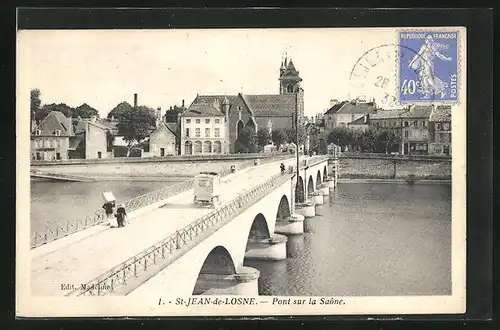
[446,126]
[424,123]
[207,121]
[406,124]
[188,121]
[289,89]
[58,143]
[57,132]
[58,155]
[438,126]
[38,156]
[187,132]
[207,132]
[197,132]
[38,132]
[49,143]
[217,132]
[217,121]
[406,134]
[415,123]
[197,121]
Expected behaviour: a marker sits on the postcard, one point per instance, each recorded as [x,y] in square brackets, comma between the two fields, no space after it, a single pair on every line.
[238,172]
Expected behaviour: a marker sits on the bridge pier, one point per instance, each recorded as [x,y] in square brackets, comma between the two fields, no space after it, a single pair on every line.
[243,283]
[317,197]
[325,190]
[307,208]
[273,248]
[292,225]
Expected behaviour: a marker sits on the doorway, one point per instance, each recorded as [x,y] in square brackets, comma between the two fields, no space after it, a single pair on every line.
[99,154]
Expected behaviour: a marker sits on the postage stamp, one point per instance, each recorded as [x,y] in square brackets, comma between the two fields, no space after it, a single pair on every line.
[428,66]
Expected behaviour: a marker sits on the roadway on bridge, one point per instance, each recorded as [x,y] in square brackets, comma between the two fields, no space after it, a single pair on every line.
[82,261]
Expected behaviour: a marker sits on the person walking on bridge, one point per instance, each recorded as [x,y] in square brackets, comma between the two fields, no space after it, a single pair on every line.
[108,209]
[120,215]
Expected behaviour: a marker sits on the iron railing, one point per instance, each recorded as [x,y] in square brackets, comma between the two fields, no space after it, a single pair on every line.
[72,226]
[58,231]
[162,252]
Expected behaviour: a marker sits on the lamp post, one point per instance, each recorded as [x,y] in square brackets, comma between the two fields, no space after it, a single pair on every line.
[297,150]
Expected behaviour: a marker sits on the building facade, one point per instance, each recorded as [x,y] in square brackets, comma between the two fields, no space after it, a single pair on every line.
[204,129]
[257,111]
[440,131]
[162,142]
[411,124]
[340,115]
[50,138]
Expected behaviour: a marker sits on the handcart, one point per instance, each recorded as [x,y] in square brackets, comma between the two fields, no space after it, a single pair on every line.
[207,188]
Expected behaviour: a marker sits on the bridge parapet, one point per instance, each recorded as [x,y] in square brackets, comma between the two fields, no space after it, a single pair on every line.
[134,271]
[58,231]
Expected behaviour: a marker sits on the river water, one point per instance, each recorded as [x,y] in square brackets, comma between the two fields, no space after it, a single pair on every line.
[56,202]
[369,239]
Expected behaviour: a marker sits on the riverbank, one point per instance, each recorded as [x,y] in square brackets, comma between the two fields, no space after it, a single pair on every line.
[152,171]
[399,181]
[387,168]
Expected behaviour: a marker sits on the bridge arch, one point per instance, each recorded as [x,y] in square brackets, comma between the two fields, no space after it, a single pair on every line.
[299,191]
[283,209]
[318,178]
[310,185]
[217,262]
[325,173]
[259,228]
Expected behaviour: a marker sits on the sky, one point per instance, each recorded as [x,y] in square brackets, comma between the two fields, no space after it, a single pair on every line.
[105,67]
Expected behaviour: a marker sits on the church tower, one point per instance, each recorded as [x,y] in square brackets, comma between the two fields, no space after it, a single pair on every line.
[289,78]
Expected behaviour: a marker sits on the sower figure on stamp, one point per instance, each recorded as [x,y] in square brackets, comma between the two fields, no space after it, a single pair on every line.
[108,209]
[423,64]
[120,215]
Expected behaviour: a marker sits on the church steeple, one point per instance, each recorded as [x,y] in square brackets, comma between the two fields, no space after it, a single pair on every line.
[289,77]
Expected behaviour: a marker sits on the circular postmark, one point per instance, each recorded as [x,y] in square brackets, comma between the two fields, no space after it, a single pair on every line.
[375,76]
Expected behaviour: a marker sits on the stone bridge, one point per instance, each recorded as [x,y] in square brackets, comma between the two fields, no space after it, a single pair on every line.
[207,255]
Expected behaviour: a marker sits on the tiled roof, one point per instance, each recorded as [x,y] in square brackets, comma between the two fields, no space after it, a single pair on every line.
[111,124]
[412,112]
[335,108]
[172,127]
[259,105]
[201,110]
[356,108]
[271,104]
[55,120]
[359,121]
[441,113]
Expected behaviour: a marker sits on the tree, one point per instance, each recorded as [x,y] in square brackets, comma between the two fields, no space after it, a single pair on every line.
[172,113]
[387,141]
[262,137]
[35,102]
[278,137]
[120,110]
[247,140]
[368,140]
[85,111]
[47,108]
[340,136]
[135,125]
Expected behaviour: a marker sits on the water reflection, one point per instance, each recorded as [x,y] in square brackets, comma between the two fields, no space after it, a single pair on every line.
[372,239]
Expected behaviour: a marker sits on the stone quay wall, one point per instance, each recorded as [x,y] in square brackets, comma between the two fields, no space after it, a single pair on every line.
[381,167]
[170,169]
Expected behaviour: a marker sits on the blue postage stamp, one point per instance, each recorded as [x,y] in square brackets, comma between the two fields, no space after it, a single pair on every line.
[428,66]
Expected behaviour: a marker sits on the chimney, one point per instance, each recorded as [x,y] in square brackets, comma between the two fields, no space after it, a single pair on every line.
[183,103]
[135,101]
